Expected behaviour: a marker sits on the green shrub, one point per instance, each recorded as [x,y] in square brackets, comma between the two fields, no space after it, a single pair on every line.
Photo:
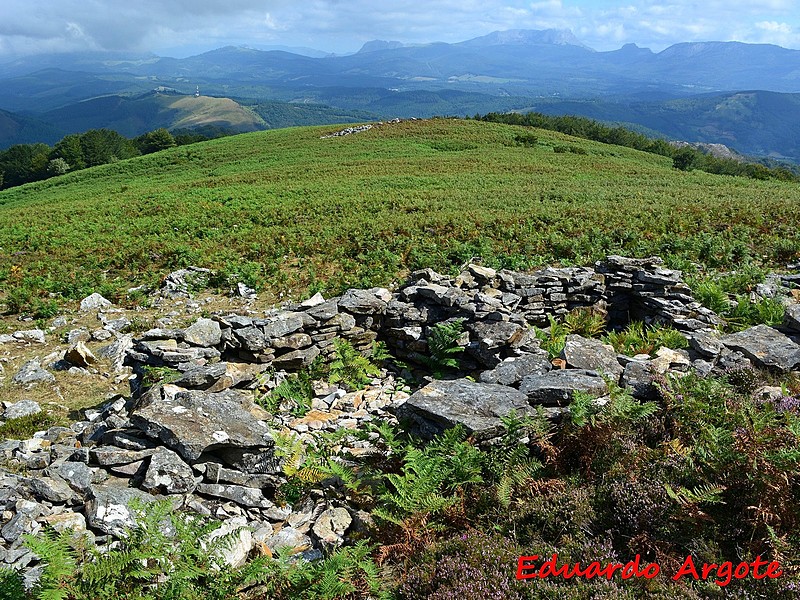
[24,427]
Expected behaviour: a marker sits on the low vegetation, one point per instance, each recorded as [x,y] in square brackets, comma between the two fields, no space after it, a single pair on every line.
[291,214]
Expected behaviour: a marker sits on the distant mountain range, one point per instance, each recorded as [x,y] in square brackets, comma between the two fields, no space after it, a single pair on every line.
[716,92]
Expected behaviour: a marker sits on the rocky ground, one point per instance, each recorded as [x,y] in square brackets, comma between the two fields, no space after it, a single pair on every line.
[162,402]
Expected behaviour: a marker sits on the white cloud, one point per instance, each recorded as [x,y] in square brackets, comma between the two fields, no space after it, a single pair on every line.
[341,25]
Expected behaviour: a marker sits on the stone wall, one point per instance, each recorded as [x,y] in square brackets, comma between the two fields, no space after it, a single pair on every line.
[498,309]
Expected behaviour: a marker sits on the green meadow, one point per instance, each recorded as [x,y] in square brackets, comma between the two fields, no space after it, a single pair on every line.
[291,213]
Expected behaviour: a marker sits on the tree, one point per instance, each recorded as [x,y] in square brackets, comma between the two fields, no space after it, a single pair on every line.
[103,146]
[684,159]
[69,148]
[153,141]
[24,163]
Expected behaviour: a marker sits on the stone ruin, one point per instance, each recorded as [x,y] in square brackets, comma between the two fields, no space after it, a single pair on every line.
[202,441]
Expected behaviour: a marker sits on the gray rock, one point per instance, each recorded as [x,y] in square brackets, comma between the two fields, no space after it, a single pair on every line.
[244,291]
[511,372]
[243,496]
[296,359]
[203,332]
[587,353]
[238,542]
[556,387]
[362,302]
[766,347]
[706,344]
[50,489]
[289,537]
[792,317]
[109,507]
[193,422]
[331,526]
[109,456]
[478,407]
[284,324]
[168,474]
[77,475]
[638,378]
[181,283]
[94,302]
[30,335]
[79,355]
[216,473]
[202,377]
[323,311]
[312,302]
[32,373]
[78,335]
[251,339]
[20,409]
[116,351]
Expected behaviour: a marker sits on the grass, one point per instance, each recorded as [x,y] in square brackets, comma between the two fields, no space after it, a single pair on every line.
[293,214]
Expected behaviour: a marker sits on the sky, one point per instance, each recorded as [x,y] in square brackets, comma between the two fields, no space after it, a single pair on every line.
[184,27]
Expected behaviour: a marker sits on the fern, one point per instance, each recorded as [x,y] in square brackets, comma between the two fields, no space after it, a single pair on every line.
[57,551]
[11,585]
[704,494]
[443,346]
[430,477]
[350,367]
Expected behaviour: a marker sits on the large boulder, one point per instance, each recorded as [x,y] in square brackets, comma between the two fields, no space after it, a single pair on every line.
[766,347]
[193,422]
[557,387]
[478,407]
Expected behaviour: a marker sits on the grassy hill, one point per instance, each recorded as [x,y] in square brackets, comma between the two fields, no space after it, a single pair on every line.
[134,116]
[293,213]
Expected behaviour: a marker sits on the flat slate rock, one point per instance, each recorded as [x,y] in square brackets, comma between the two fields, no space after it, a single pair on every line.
[478,407]
[587,353]
[556,387]
[193,422]
[766,347]
[511,372]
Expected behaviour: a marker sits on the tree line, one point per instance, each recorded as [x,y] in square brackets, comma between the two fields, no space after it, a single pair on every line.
[24,163]
[685,159]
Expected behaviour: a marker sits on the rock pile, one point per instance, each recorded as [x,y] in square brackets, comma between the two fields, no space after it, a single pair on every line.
[201,440]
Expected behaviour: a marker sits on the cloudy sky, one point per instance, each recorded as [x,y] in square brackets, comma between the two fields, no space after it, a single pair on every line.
[183,27]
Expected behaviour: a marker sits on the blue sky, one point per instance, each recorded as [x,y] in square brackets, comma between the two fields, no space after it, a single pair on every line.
[182,27]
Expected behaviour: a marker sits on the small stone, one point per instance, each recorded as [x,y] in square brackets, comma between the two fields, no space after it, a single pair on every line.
[94,302]
[30,335]
[331,526]
[80,356]
[32,373]
[168,474]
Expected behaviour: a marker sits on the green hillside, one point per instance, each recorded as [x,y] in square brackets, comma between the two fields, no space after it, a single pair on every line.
[292,213]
